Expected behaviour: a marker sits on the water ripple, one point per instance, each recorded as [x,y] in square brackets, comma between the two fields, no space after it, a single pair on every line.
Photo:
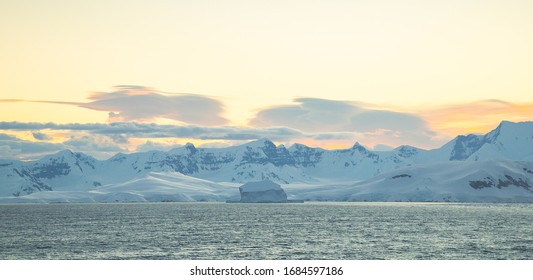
[267,231]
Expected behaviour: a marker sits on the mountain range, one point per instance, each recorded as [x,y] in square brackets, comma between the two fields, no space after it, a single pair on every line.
[496,166]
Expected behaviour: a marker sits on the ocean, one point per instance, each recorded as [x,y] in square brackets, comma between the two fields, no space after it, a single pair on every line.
[325,230]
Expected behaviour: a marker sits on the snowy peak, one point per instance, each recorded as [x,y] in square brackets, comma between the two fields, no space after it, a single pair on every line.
[264,151]
[62,163]
[69,156]
[357,146]
[260,143]
[519,133]
[511,141]
[493,135]
[505,129]
[45,174]
[261,160]
[191,148]
[406,151]
[298,147]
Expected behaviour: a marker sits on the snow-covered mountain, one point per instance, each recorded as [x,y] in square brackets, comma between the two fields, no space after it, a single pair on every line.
[452,181]
[254,161]
[509,141]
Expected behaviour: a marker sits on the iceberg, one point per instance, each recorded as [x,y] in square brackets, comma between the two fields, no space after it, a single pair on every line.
[262,191]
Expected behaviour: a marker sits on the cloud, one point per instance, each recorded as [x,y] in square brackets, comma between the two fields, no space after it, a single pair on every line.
[322,115]
[40,136]
[154,146]
[311,121]
[6,152]
[394,138]
[13,147]
[318,120]
[142,104]
[124,130]
[339,118]
[102,140]
[98,146]
[310,115]
[334,136]
[91,143]
[4,137]
[373,120]
[134,103]
[381,147]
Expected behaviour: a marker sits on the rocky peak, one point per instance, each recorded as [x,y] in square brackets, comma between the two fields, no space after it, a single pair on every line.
[191,148]
[465,145]
[357,146]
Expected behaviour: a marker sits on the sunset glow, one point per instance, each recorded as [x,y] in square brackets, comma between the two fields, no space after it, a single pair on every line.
[383,73]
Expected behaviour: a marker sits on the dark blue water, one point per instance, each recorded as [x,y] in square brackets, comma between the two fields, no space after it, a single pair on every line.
[267,231]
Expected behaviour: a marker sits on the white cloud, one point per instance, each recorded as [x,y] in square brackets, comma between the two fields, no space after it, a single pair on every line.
[330,119]
[13,147]
[142,104]
[381,147]
[310,115]
[136,103]
[124,130]
[154,146]
[90,143]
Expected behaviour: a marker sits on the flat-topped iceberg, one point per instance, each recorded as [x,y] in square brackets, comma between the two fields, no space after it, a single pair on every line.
[262,191]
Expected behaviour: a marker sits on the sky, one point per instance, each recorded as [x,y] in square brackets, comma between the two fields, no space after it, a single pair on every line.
[122,76]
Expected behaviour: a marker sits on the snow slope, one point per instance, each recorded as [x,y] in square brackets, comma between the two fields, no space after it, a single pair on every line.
[487,181]
[154,187]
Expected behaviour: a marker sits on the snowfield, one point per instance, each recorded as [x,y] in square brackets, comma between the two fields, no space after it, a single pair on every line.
[489,181]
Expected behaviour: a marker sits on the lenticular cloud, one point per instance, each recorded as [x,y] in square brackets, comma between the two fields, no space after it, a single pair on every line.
[135,103]
[142,104]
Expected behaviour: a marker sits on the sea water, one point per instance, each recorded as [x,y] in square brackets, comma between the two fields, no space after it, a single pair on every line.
[266,231]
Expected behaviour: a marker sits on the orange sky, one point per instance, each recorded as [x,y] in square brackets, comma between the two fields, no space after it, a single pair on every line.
[414,72]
